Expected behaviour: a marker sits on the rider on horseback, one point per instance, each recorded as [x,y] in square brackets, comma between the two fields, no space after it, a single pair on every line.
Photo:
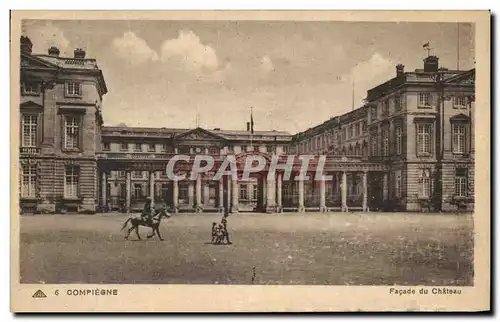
[147,212]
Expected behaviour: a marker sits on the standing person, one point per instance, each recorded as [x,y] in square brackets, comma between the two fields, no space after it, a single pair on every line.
[214,232]
[224,225]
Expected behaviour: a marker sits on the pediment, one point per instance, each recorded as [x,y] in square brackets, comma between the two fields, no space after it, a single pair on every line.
[460,117]
[30,104]
[464,79]
[32,61]
[198,134]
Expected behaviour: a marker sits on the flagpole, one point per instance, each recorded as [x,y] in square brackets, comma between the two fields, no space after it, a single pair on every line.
[458,46]
[251,127]
[352,108]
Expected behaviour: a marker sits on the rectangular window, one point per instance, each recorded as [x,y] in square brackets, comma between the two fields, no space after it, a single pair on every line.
[397,103]
[397,184]
[459,138]
[72,132]
[461,182]
[244,148]
[28,186]
[399,141]
[105,146]
[73,89]
[285,148]
[425,185]
[357,131]
[137,147]
[385,134]
[243,192]
[29,128]
[161,193]
[385,108]
[137,174]
[183,192]
[459,101]
[124,146]
[374,145]
[71,182]
[137,190]
[254,192]
[373,113]
[121,174]
[424,143]
[151,148]
[424,100]
[30,88]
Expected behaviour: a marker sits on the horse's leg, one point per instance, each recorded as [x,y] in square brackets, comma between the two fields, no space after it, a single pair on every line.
[158,231]
[137,232]
[152,232]
[128,232]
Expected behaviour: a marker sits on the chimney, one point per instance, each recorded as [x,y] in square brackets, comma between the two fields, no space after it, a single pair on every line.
[79,53]
[54,51]
[431,64]
[400,70]
[26,45]
[248,126]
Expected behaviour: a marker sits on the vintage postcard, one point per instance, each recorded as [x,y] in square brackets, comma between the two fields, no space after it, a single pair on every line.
[240,161]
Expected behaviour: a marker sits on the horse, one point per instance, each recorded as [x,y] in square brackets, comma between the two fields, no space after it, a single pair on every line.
[138,221]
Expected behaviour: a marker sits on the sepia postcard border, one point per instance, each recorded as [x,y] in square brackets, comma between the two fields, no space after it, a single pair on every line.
[258,298]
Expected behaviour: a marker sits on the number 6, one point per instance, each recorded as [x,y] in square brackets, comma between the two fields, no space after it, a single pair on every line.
[57,292]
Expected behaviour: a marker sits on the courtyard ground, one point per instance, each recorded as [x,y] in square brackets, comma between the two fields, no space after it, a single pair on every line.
[289,248]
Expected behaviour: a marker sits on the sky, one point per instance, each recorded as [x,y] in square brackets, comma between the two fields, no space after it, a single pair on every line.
[294,75]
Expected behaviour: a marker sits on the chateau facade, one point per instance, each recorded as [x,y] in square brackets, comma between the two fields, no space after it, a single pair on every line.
[409,148]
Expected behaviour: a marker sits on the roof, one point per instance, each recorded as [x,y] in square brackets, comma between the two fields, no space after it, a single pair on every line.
[68,62]
[172,132]
[87,65]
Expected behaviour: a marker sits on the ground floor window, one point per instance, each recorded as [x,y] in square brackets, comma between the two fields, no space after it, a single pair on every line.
[397,184]
[183,192]
[212,189]
[255,192]
[461,182]
[138,191]
[71,180]
[243,192]
[28,186]
[425,184]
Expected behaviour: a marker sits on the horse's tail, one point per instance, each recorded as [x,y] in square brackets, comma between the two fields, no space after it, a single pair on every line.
[125,224]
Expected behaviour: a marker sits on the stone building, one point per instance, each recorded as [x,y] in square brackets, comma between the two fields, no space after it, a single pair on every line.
[60,125]
[126,182]
[419,124]
[410,147]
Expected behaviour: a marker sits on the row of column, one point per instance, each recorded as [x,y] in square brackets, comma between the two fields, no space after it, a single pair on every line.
[343,192]
[232,191]
[273,192]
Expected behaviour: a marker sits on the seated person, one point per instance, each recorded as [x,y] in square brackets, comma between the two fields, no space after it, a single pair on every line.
[147,212]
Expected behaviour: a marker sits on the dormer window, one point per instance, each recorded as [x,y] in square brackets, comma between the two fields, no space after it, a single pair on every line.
[73,89]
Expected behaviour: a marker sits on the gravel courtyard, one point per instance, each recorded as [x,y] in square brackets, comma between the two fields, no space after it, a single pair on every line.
[289,248]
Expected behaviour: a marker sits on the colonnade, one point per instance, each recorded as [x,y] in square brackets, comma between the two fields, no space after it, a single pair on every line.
[228,192]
